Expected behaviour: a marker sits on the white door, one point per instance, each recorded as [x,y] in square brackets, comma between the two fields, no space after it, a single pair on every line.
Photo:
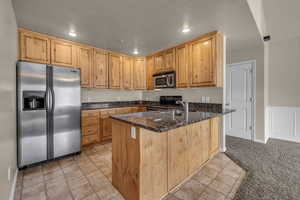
[241,97]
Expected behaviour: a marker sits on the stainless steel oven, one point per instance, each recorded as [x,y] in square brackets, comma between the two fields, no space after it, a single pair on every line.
[165,80]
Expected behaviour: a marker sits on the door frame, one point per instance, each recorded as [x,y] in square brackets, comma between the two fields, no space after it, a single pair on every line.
[253,107]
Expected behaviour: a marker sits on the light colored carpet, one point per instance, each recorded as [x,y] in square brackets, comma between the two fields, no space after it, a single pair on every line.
[273,169]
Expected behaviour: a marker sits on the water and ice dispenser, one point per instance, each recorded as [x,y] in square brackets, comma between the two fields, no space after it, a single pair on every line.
[34,100]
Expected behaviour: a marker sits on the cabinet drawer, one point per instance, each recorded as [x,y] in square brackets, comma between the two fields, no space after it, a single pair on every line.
[90,121]
[89,139]
[90,130]
[90,113]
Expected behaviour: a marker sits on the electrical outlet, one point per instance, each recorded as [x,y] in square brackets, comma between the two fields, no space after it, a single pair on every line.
[8,174]
[203,99]
[133,132]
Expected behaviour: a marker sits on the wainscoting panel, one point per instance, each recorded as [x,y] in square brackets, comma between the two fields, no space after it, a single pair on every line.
[284,123]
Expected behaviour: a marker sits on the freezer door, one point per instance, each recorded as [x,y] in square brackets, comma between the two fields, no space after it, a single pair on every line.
[32,126]
[66,111]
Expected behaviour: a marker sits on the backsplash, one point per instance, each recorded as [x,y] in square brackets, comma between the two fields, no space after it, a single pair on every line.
[105,95]
[188,94]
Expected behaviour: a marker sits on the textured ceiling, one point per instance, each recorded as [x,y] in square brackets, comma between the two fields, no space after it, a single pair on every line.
[148,25]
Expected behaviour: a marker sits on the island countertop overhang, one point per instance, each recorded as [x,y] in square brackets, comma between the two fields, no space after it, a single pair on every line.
[162,121]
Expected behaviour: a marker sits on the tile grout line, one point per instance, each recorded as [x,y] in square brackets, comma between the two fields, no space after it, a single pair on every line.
[68,186]
[87,178]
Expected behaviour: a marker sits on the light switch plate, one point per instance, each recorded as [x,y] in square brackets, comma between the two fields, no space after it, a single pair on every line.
[203,99]
[133,132]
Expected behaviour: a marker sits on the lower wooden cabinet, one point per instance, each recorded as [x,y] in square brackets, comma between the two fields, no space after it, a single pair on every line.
[90,127]
[96,125]
[188,149]
[214,135]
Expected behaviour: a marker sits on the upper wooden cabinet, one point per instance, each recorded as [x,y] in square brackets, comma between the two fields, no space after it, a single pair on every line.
[63,53]
[115,71]
[84,63]
[139,74]
[206,61]
[150,70]
[182,70]
[100,69]
[34,47]
[164,61]
[127,70]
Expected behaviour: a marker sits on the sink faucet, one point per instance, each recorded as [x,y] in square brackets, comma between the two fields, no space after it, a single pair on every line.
[185,105]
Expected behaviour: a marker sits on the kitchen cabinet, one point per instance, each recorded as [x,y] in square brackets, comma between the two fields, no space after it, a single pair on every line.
[206,61]
[127,73]
[84,63]
[169,60]
[214,136]
[177,156]
[164,60]
[182,70]
[90,127]
[150,71]
[188,149]
[115,71]
[105,123]
[100,69]
[97,125]
[34,47]
[139,74]
[63,53]
[158,62]
[153,165]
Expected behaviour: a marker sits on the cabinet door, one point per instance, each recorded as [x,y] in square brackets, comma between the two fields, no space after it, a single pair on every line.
[34,47]
[195,146]
[106,124]
[177,156]
[115,71]
[205,139]
[158,62]
[100,69]
[182,75]
[139,74]
[63,53]
[214,135]
[150,71]
[127,70]
[84,63]
[169,60]
[202,62]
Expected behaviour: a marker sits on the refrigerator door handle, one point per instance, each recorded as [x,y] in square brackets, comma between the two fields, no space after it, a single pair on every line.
[48,100]
[52,99]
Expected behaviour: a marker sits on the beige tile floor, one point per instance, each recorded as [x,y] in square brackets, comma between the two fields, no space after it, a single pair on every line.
[88,177]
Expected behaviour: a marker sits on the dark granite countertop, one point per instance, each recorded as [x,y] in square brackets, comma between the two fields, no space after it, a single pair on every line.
[193,107]
[162,121]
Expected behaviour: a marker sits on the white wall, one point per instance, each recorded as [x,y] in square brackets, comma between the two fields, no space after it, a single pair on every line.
[188,94]
[102,95]
[254,53]
[8,58]
[284,73]
[258,13]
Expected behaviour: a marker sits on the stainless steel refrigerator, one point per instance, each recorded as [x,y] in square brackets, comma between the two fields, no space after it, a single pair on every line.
[48,112]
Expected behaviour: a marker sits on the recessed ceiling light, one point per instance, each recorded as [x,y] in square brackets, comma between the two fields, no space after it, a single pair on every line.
[135,52]
[72,34]
[186,30]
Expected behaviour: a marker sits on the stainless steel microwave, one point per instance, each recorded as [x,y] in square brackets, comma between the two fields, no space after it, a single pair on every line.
[165,80]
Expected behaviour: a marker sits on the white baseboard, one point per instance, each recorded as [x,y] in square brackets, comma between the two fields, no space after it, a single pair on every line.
[283,123]
[13,187]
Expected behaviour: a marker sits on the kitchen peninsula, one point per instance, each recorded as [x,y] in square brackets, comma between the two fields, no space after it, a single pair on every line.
[154,152]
